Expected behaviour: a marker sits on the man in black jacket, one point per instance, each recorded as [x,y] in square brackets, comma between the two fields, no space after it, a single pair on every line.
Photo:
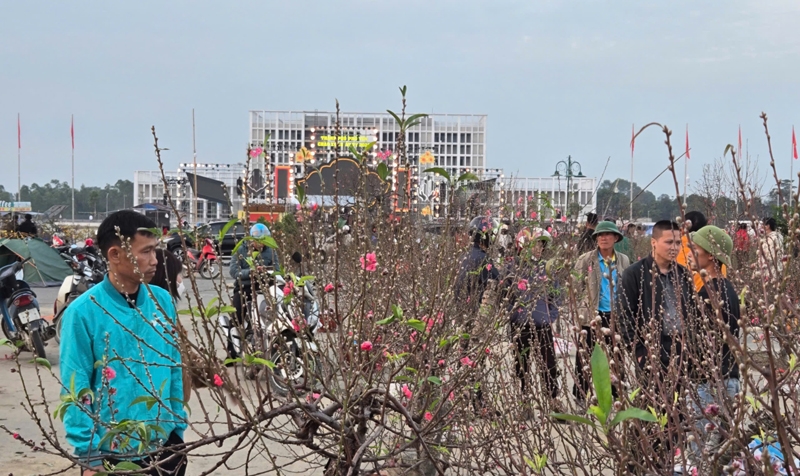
[656,310]
[655,300]
[588,242]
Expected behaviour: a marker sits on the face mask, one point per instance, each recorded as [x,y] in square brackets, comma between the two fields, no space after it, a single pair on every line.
[181,289]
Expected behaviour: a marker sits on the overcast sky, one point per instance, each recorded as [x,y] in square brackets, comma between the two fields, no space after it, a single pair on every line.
[556,78]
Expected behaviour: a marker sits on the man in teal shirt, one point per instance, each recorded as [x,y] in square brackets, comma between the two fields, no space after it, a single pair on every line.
[118,342]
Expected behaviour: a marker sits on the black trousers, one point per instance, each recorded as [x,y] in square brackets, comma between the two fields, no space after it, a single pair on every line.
[536,342]
[175,467]
[583,378]
[242,300]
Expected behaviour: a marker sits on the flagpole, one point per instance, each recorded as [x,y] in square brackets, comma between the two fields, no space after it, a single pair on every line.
[194,163]
[72,135]
[791,167]
[19,160]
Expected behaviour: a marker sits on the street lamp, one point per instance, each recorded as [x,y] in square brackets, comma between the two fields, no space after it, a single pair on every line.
[569,169]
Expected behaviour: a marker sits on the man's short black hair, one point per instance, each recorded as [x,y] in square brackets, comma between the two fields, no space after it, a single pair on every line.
[591,218]
[28,216]
[698,220]
[129,223]
[771,223]
[662,226]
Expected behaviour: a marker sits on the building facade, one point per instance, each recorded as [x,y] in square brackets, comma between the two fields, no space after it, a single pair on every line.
[149,187]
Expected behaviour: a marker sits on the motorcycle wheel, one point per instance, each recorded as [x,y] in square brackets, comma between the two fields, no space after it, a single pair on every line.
[210,269]
[7,332]
[291,368]
[38,344]
[57,322]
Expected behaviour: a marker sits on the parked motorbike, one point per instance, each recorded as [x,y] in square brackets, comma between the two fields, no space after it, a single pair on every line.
[203,261]
[22,320]
[73,286]
[287,339]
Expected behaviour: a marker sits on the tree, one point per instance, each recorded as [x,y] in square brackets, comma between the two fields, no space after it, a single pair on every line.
[94,195]
[613,199]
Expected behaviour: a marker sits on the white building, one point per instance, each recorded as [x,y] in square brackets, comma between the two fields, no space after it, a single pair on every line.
[148,187]
[548,195]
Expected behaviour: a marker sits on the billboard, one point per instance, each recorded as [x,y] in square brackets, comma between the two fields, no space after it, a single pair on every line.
[208,189]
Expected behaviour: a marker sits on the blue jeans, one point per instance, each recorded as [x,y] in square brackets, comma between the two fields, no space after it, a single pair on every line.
[708,393]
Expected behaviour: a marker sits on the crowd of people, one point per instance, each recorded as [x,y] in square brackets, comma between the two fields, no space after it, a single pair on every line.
[662,307]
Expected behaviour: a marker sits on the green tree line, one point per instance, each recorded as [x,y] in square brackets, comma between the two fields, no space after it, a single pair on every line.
[91,200]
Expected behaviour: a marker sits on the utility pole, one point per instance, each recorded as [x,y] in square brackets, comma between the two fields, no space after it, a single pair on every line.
[194,164]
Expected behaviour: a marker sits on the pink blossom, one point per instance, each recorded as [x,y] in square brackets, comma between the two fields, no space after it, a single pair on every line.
[441,363]
[428,416]
[489,267]
[522,285]
[533,215]
[329,288]
[298,206]
[366,346]
[428,324]
[288,288]
[217,380]
[487,351]
[467,361]
[712,409]
[369,262]
[256,152]
[413,336]
[451,397]
[295,325]
[407,392]
[109,373]
[519,213]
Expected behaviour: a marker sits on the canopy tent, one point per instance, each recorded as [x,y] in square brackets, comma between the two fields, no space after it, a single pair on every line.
[46,267]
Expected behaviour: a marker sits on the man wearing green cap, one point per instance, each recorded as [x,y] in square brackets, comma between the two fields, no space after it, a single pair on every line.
[716,372]
[596,288]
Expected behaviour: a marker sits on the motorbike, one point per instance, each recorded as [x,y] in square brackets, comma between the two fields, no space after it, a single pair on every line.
[287,339]
[83,277]
[22,320]
[203,261]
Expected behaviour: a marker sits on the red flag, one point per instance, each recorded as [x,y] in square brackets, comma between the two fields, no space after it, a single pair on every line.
[687,142]
[739,150]
[633,136]
[19,133]
[72,132]
[794,145]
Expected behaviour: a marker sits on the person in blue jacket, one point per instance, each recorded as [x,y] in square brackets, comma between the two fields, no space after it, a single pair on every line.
[118,341]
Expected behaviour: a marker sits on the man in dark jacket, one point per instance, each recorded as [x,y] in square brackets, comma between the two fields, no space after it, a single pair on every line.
[656,310]
[240,270]
[655,299]
[27,227]
[476,270]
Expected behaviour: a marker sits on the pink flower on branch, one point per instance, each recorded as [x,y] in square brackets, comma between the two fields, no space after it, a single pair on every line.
[109,373]
[366,346]
[522,285]
[467,361]
[329,288]
[369,262]
[408,393]
[217,380]
[428,416]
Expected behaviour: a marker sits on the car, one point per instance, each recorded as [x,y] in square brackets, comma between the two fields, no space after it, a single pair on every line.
[234,234]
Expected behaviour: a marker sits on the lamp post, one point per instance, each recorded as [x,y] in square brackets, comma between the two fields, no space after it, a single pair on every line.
[569,169]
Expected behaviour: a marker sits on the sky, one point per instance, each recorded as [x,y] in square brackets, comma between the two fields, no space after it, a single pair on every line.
[556,78]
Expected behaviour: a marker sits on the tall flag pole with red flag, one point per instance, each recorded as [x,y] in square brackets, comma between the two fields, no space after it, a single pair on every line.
[686,166]
[72,136]
[630,185]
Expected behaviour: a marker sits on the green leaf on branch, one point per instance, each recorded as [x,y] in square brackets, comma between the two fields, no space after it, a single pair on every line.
[570,417]
[42,362]
[301,194]
[601,378]
[439,171]
[435,380]
[6,342]
[416,324]
[467,177]
[227,309]
[633,413]
[383,171]
[386,321]
[232,361]
[266,363]
[224,230]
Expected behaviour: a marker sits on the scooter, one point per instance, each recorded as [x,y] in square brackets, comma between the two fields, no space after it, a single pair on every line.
[204,261]
[22,320]
[73,286]
[286,339]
